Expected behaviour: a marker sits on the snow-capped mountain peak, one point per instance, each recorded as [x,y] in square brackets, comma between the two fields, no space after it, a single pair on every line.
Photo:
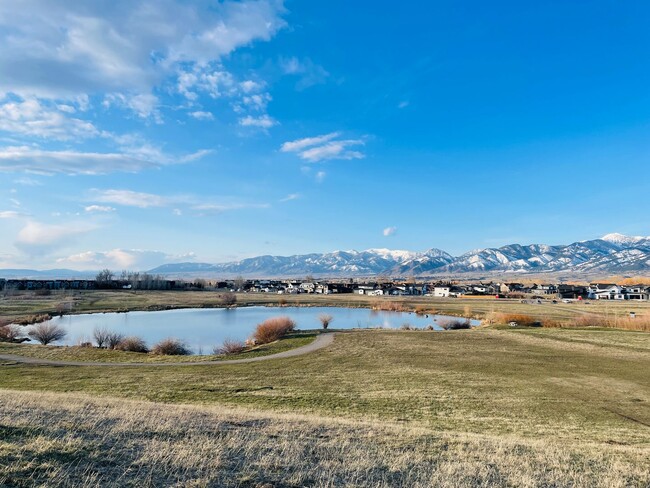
[616,238]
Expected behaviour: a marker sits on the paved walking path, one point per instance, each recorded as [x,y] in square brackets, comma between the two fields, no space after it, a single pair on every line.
[323,340]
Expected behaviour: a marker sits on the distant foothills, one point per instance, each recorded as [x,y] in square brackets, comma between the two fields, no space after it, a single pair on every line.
[613,254]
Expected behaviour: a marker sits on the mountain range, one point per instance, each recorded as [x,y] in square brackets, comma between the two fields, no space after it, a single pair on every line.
[611,254]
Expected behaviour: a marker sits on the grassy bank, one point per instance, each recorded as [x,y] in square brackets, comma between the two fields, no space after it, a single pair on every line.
[93,354]
[77,440]
[545,383]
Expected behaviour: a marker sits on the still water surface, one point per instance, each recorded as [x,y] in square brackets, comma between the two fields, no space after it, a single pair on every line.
[203,329]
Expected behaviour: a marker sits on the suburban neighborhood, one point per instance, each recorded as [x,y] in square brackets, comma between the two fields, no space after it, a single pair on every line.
[377,288]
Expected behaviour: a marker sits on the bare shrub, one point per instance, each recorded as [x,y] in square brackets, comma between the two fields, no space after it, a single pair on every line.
[325,320]
[113,339]
[101,334]
[46,333]
[273,329]
[229,299]
[171,347]
[406,326]
[9,333]
[455,324]
[230,346]
[132,344]
[282,302]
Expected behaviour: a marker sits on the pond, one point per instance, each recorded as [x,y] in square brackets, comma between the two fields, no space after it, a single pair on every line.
[203,329]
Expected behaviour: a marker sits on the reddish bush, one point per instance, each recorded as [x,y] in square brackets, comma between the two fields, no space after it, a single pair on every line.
[171,347]
[132,344]
[273,329]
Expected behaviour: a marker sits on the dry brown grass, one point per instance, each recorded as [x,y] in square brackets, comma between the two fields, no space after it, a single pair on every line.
[389,306]
[32,319]
[273,329]
[76,440]
[520,319]
[639,324]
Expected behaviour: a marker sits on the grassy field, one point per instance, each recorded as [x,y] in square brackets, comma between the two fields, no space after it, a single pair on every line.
[77,440]
[93,354]
[483,407]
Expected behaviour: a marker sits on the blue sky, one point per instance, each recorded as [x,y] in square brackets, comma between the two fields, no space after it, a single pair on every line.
[139,132]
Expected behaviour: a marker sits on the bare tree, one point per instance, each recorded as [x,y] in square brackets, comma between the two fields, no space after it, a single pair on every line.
[325,320]
[113,339]
[46,333]
[101,335]
[104,278]
[229,299]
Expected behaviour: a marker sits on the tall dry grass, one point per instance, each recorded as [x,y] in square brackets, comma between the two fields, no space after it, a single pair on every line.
[77,440]
[388,306]
[639,323]
[520,319]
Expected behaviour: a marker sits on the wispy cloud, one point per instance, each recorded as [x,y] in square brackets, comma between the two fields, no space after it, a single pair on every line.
[308,72]
[98,208]
[129,198]
[42,161]
[324,147]
[389,231]
[300,144]
[292,196]
[262,122]
[11,214]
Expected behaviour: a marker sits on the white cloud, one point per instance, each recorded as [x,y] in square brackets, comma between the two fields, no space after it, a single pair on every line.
[130,160]
[292,196]
[220,208]
[119,259]
[11,214]
[389,231]
[37,237]
[200,115]
[300,144]
[98,208]
[129,198]
[325,147]
[263,121]
[32,118]
[332,150]
[403,104]
[320,176]
[60,49]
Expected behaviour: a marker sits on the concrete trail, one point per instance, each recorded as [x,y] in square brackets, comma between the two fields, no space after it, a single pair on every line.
[323,340]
